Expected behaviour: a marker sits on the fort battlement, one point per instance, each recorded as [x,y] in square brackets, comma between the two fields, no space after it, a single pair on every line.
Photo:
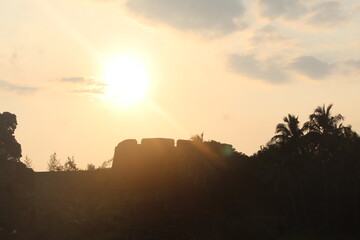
[159,152]
[150,149]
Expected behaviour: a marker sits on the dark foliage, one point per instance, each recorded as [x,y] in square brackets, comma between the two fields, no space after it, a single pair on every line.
[16,181]
[10,149]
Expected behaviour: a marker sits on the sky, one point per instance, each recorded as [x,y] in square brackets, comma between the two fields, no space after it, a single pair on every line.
[231,69]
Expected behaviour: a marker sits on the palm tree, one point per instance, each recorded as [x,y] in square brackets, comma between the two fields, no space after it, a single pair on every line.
[347,132]
[326,135]
[291,168]
[288,130]
[322,122]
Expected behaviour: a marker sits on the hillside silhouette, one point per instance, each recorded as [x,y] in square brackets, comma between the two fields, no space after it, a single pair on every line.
[303,184]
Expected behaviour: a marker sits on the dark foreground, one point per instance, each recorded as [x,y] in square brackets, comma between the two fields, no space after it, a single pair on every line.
[246,198]
[304,184]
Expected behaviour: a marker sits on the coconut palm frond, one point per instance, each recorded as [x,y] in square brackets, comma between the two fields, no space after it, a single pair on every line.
[288,130]
[337,118]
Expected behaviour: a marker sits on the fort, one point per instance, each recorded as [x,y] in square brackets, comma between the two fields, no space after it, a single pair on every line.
[150,162]
[150,148]
[143,169]
[162,151]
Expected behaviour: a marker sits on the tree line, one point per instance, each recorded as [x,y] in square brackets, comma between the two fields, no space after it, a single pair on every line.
[54,164]
[313,170]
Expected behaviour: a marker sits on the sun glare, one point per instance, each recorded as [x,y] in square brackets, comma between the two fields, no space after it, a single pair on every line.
[126,79]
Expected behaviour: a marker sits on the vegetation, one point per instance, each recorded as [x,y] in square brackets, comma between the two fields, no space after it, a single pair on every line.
[304,184]
[106,164]
[10,149]
[70,164]
[28,162]
[90,167]
[15,179]
[54,164]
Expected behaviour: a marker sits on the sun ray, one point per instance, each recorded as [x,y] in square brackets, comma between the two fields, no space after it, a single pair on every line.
[168,118]
[54,15]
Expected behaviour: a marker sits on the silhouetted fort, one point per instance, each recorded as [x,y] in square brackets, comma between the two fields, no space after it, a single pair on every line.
[129,153]
[145,160]
[153,161]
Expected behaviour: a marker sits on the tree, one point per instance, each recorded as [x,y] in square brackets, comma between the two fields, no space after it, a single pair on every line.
[198,138]
[106,164]
[16,181]
[28,162]
[322,122]
[54,164]
[70,165]
[10,149]
[289,130]
[90,167]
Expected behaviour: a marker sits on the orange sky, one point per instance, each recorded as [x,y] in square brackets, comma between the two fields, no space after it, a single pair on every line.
[231,69]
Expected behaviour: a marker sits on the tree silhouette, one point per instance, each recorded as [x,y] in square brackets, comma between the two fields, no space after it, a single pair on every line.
[70,165]
[322,122]
[54,164]
[289,130]
[15,179]
[106,164]
[90,167]
[28,162]
[10,149]
[198,138]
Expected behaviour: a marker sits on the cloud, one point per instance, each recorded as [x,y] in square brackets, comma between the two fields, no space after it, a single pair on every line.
[290,10]
[217,17]
[267,34]
[354,63]
[14,58]
[85,85]
[86,81]
[90,91]
[6,86]
[311,67]
[324,14]
[248,65]
[328,14]
[73,79]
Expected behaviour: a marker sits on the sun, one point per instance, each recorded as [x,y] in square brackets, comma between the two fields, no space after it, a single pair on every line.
[126,79]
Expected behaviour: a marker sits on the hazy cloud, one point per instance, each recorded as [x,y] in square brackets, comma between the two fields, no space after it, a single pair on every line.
[311,67]
[85,85]
[73,79]
[215,16]
[354,63]
[13,58]
[267,33]
[292,9]
[90,91]
[86,81]
[6,86]
[328,14]
[248,65]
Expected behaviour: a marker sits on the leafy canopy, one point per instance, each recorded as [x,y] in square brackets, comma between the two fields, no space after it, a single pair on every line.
[10,149]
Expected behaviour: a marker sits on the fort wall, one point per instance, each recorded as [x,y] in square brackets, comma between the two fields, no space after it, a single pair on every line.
[130,156]
[154,152]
